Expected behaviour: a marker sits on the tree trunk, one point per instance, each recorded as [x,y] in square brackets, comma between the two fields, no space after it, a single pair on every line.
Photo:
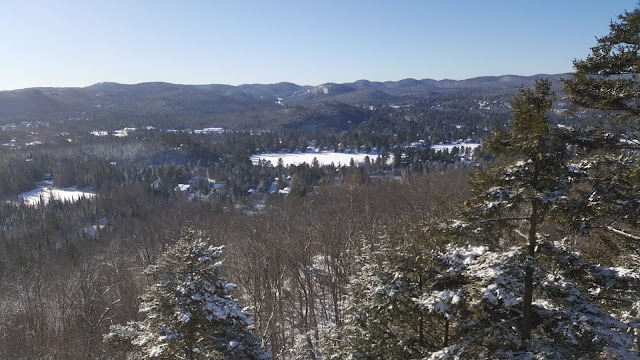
[527,310]
[421,318]
[446,332]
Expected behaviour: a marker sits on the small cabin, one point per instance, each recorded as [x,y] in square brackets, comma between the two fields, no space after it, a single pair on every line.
[47,176]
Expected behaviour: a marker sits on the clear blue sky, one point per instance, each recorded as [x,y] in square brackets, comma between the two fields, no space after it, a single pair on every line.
[82,42]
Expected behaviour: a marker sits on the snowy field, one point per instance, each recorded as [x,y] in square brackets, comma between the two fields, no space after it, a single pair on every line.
[45,192]
[324,158]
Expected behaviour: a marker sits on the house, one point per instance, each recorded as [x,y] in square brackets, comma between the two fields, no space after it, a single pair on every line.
[47,177]
[182,187]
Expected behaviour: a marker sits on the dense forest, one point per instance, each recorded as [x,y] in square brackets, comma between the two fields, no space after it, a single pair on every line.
[489,224]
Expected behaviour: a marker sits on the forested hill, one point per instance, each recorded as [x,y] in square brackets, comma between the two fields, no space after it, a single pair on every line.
[247,107]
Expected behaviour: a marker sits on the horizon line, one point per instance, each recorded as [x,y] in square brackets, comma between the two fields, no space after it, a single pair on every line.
[281,82]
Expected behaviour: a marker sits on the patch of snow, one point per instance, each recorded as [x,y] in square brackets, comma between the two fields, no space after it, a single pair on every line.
[123,132]
[155,351]
[45,193]
[440,302]
[496,294]
[183,187]
[565,127]
[184,316]
[209,131]
[580,168]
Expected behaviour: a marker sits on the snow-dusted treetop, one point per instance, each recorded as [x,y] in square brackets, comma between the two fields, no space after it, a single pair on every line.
[190,312]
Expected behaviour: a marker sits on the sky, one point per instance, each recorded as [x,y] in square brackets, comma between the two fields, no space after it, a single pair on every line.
[78,43]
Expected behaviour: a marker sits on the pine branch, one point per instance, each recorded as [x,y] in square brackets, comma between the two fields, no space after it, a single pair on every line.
[623,233]
[614,299]
[506,219]
[108,308]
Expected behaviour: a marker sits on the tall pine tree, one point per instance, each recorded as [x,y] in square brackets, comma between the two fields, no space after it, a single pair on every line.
[528,180]
[608,80]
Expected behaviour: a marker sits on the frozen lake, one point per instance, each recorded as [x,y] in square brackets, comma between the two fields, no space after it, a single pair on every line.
[45,192]
[338,158]
[324,158]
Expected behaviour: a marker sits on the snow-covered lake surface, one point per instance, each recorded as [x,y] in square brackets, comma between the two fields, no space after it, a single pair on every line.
[45,192]
[338,158]
[324,158]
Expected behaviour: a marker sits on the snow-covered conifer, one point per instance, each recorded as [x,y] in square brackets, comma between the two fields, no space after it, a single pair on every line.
[533,300]
[608,80]
[383,318]
[467,299]
[529,180]
[189,311]
[581,310]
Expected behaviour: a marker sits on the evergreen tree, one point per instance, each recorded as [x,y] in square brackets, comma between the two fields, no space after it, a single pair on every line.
[417,298]
[382,319]
[190,313]
[526,182]
[573,320]
[608,80]
[525,299]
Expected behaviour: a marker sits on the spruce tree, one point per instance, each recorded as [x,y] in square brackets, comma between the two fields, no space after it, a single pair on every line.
[383,317]
[483,305]
[526,298]
[416,297]
[608,80]
[528,180]
[189,311]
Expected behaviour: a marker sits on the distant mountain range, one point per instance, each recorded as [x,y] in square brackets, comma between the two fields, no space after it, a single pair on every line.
[157,99]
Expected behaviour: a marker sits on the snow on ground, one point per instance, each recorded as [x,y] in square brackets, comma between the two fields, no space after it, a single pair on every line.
[324,158]
[124,132]
[44,192]
[209,131]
